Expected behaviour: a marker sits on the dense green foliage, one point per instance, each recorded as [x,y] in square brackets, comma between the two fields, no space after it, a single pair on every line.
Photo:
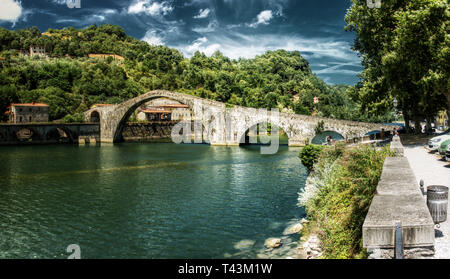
[405,50]
[71,82]
[310,154]
[341,191]
[320,127]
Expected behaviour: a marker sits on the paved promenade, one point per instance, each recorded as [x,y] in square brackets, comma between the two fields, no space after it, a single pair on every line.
[433,171]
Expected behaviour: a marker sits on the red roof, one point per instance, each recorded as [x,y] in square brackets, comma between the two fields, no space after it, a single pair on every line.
[29,105]
[156,111]
[174,106]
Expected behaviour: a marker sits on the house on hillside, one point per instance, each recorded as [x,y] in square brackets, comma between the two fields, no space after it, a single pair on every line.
[38,51]
[27,113]
[104,56]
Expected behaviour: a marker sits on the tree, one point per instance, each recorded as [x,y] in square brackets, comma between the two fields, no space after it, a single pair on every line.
[404,46]
[421,52]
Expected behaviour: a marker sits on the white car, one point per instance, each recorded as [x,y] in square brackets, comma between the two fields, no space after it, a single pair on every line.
[447,154]
[434,143]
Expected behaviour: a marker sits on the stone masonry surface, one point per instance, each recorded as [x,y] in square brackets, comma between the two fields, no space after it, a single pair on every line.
[398,199]
[299,128]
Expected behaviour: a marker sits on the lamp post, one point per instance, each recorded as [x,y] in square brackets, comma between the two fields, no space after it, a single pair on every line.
[395,106]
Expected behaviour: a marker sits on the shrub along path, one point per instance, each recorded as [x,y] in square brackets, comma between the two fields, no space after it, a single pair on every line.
[433,171]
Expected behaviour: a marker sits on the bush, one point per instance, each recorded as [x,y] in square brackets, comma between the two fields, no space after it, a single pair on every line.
[320,127]
[339,196]
[310,154]
[74,118]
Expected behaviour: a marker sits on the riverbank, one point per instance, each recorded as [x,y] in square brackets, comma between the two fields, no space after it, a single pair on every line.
[337,197]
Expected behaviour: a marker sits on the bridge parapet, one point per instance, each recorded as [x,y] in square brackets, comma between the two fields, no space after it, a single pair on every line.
[398,199]
[299,128]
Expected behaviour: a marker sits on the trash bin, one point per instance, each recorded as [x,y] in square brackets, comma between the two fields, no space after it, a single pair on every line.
[437,202]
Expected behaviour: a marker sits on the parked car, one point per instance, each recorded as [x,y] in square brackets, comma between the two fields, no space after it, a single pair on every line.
[435,143]
[440,129]
[443,148]
[447,154]
[443,132]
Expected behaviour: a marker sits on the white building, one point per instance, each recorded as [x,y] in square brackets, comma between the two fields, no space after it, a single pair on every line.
[37,50]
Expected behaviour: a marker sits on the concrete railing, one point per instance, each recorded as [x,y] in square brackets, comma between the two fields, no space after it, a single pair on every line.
[398,199]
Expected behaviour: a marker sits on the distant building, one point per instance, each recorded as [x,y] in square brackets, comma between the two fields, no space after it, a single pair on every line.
[164,110]
[178,112]
[104,56]
[38,50]
[154,115]
[27,113]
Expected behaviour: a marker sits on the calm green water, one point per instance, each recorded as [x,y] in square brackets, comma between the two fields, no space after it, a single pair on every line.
[145,200]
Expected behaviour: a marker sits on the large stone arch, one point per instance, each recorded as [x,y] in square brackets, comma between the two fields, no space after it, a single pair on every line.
[113,118]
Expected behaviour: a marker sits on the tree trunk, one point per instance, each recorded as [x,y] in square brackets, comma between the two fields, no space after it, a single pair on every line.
[448,117]
[447,95]
[428,128]
[406,117]
[417,126]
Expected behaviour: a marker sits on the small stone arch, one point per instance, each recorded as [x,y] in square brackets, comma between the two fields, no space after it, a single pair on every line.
[94,117]
[27,134]
[241,135]
[60,134]
[318,139]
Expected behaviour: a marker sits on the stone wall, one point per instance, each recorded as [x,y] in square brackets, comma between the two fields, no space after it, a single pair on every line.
[30,134]
[147,131]
[398,199]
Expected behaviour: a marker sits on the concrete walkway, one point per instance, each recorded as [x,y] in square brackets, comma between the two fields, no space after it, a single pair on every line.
[433,171]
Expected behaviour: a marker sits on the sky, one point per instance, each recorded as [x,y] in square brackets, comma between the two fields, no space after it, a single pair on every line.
[237,28]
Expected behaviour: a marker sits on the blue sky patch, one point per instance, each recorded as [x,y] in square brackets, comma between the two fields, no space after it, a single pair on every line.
[237,28]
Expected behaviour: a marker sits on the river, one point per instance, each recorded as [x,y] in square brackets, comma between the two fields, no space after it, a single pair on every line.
[156,200]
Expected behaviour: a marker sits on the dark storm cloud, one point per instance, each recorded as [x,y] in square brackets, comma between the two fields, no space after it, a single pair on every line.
[235,27]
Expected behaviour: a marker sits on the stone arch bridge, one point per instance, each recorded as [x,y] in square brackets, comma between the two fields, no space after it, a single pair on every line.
[226,124]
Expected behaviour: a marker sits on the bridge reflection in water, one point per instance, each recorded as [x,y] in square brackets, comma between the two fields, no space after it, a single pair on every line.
[152,131]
